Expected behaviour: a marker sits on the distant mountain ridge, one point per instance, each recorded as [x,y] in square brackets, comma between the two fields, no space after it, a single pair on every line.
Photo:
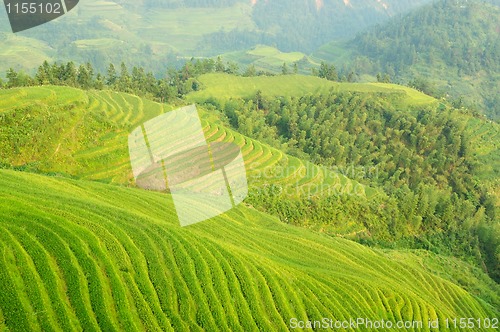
[151,33]
[303,25]
[448,48]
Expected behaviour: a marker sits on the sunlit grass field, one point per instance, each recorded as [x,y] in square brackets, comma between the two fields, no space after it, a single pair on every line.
[224,86]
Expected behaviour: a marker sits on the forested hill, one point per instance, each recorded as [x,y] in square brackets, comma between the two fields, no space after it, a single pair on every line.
[449,48]
[304,25]
[436,165]
[154,33]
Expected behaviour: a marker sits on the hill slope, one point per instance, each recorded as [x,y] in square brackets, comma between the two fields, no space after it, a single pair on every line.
[142,33]
[423,151]
[83,255]
[224,86]
[449,48]
[80,254]
[84,134]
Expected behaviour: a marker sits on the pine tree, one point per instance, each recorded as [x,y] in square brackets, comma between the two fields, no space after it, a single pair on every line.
[70,74]
[83,77]
[111,77]
[284,69]
[328,71]
[251,71]
[219,66]
[232,68]
[99,82]
[42,76]
[124,82]
[12,78]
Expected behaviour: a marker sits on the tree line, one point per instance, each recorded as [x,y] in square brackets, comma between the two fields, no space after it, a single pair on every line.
[175,84]
[135,80]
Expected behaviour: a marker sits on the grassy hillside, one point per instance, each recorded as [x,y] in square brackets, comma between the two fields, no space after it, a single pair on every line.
[84,255]
[270,59]
[112,31]
[84,134]
[83,249]
[22,52]
[223,86]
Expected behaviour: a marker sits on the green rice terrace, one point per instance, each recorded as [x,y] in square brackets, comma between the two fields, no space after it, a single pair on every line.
[83,249]
[84,134]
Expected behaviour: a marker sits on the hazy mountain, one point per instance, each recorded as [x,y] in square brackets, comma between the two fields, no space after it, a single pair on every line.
[449,48]
[151,33]
[305,25]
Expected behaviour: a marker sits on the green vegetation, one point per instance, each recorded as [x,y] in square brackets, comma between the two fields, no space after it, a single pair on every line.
[450,268]
[21,52]
[147,34]
[84,135]
[269,59]
[337,52]
[448,49]
[428,188]
[106,255]
[370,200]
[185,27]
[306,25]
[83,255]
[422,154]
[155,34]
[224,87]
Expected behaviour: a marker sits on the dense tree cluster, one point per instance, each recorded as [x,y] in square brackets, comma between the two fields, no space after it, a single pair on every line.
[424,163]
[451,31]
[177,82]
[345,128]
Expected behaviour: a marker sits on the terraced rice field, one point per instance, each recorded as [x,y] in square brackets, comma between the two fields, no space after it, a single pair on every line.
[85,135]
[20,52]
[82,255]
